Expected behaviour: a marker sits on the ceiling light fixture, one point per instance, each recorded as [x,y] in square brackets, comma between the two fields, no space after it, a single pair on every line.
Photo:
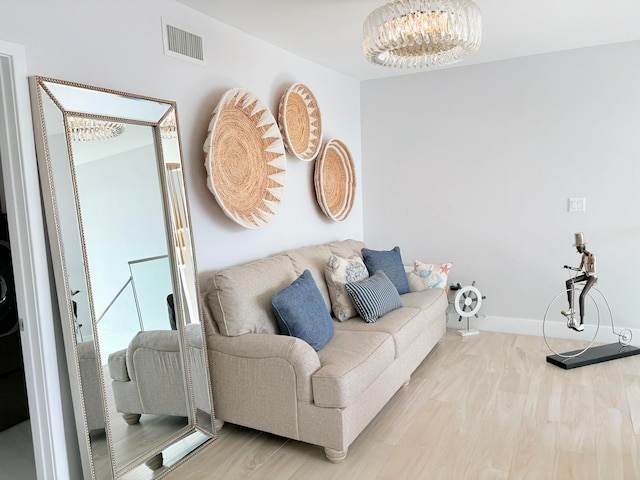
[88,129]
[169,128]
[422,33]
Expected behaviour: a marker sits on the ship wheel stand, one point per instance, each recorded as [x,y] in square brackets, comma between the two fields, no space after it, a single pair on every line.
[467,303]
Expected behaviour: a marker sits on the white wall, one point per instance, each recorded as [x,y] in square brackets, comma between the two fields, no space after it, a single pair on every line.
[472,164]
[123,221]
[475,165]
[122,218]
[118,45]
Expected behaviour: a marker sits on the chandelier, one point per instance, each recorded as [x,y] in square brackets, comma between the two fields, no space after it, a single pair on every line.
[169,128]
[422,33]
[89,129]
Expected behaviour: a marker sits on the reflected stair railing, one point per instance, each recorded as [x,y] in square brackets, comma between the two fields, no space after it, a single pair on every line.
[131,282]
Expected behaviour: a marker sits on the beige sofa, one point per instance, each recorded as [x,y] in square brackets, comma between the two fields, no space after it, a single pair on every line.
[280,384]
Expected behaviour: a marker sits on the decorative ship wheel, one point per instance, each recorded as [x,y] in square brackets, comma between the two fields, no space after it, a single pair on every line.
[467,303]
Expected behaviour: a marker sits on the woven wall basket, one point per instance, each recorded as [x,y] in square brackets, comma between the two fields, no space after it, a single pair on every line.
[245,159]
[300,122]
[334,180]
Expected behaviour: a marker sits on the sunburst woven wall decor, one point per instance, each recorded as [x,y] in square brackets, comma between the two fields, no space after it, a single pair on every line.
[300,122]
[334,180]
[245,159]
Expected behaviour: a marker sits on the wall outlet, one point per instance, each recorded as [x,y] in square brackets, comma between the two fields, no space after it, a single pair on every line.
[577,204]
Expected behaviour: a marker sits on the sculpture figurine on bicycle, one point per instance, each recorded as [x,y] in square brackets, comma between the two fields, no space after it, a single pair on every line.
[588,275]
[583,278]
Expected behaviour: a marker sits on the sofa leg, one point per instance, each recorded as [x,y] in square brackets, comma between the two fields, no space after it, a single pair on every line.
[155,462]
[406,382]
[218,424]
[131,418]
[335,456]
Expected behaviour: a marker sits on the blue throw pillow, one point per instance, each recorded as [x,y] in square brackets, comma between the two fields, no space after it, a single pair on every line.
[301,312]
[374,296]
[390,262]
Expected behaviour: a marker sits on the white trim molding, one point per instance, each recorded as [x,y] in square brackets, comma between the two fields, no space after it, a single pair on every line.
[48,405]
[555,329]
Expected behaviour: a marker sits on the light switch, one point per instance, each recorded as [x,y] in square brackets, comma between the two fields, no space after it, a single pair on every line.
[577,204]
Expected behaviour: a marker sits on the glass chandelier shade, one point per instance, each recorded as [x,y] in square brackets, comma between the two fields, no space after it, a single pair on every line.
[169,128]
[88,129]
[422,33]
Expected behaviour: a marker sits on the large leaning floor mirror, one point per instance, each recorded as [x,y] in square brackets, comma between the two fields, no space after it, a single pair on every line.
[122,252]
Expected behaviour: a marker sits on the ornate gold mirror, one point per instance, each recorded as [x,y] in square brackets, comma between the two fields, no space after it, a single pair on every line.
[119,229]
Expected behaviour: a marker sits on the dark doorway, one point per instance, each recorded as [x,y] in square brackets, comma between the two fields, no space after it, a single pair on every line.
[13,390]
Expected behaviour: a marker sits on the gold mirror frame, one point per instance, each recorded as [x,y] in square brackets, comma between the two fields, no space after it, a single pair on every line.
[66,111]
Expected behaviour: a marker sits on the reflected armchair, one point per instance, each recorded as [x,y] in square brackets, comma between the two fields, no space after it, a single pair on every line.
[90,379]
[148,377]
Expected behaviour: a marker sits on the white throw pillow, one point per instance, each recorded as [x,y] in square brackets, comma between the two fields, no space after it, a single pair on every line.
[428,275]
[338,272]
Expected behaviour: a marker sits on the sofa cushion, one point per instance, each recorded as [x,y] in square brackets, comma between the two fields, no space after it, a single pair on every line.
[426,299]
[416,284]
[346,248]
[301,312]
[374,296]
[240,297]
[390,262]
[339,271]
[313,259]
[407,323]
[351,361]
[403,324]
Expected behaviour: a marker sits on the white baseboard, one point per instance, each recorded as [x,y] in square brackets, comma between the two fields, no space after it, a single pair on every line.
[521,326]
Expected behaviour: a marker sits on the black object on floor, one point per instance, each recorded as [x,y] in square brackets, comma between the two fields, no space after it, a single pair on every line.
[599,354]
[13,389]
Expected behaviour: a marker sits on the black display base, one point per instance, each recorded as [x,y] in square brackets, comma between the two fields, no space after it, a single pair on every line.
[599,354]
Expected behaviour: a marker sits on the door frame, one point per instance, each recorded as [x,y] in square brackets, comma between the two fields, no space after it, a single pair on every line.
[50,409]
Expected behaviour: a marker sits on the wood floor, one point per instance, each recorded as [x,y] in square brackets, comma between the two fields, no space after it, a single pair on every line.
[481,407]
[16,453]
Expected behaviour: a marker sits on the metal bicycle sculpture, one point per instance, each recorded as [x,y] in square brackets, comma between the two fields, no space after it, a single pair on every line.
[582,281]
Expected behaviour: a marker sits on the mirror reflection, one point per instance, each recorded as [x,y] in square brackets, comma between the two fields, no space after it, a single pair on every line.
[125,276]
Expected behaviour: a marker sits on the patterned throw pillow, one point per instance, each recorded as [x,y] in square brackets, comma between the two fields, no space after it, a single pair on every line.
[338,272]
[429,275]
[374,296]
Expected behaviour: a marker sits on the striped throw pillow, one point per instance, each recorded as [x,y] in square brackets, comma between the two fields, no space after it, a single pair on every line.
[374,296]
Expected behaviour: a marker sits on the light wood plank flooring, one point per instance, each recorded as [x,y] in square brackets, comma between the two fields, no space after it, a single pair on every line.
[480,407]
[16,453]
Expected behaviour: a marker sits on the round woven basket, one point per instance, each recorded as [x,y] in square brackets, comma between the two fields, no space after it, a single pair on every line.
[300,122]
[245,159]
[334,180]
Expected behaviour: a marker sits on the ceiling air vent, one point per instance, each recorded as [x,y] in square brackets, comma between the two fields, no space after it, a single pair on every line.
[183,44]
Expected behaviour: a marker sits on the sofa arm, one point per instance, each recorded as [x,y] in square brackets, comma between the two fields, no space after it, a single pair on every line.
[90,380]
[118,366]
[155,364]
[259,380]
[157,340]
[301,356]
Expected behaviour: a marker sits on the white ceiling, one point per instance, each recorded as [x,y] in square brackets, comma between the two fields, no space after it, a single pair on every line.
[329,32]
